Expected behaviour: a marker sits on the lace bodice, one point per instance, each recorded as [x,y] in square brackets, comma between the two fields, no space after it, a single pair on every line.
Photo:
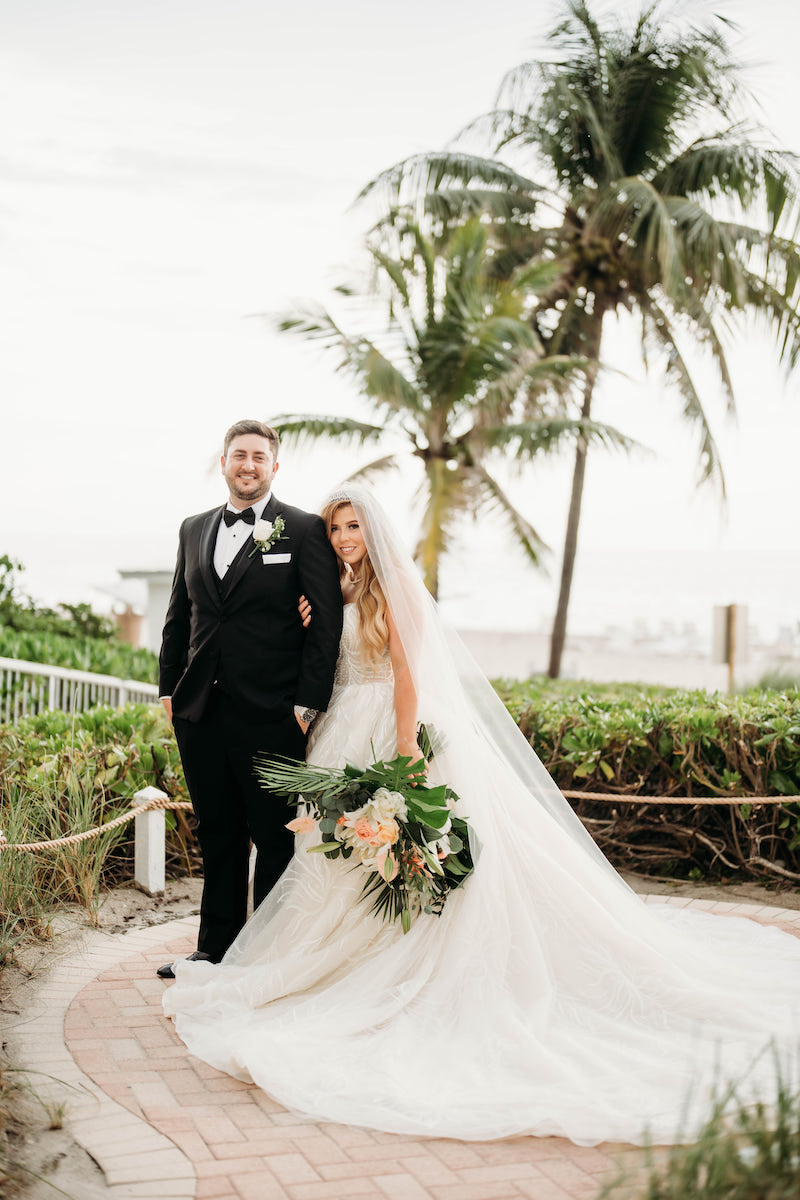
[351,667]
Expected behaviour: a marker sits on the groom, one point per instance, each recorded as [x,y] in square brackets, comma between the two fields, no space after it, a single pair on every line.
[240,675]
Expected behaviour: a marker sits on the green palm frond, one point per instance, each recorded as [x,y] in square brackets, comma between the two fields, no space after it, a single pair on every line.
[394,271]
[384,381]
[729,164]
[496,501]
[781,253]
[526,439]
[711,249]
[571,328]
[378,466]
[581,145]
[377,375]
[495,351]
[411,250]
[706,334]
[313,323]
[635,210]
[465,252]
[424,173]
[307,428]
[538,276]
[454,203]
[780,316]
[554,375]
[693,411]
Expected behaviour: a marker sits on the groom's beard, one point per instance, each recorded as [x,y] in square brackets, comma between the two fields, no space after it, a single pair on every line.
[248,490]
[249,496]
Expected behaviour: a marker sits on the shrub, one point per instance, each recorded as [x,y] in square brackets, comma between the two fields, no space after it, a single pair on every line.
[62,774]
[18,611]
[626,740]
[103,656]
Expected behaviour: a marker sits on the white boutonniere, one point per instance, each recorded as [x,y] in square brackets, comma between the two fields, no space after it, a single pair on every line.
[266,534]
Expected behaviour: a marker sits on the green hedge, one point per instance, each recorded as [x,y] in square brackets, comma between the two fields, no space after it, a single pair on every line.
[659,741]
[105,656]
[124,749]
[111,753]
[618,739]
[648,741]
[63,774]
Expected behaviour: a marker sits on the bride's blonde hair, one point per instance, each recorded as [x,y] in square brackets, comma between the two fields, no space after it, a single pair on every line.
[368,596]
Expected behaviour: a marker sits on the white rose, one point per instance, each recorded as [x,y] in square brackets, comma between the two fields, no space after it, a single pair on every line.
[262,531]
[389,805]
[365,854]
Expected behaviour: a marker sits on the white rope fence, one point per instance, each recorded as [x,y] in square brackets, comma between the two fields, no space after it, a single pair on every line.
[627,798]
[149,837]
[151,806]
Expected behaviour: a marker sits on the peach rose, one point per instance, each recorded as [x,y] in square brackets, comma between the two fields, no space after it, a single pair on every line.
[365,831]
[388,831]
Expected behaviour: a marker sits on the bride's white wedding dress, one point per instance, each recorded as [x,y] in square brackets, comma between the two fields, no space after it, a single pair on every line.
[546,999]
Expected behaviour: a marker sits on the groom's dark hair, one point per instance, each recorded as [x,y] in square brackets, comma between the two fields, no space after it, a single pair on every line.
[265,431]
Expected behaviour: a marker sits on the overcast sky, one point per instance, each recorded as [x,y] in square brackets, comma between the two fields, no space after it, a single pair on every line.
[173,167]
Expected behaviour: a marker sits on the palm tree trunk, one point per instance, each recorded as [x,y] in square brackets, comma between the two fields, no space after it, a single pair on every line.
[559,633]
[431,544]
[432,579]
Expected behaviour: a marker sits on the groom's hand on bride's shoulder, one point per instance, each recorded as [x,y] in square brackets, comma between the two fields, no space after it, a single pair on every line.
[304,608]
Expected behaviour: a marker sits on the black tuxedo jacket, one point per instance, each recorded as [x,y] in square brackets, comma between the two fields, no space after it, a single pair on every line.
[244,631]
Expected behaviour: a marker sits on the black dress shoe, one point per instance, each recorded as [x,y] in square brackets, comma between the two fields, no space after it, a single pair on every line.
[166,972]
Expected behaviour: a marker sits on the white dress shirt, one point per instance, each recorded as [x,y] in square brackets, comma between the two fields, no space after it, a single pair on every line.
[230,537]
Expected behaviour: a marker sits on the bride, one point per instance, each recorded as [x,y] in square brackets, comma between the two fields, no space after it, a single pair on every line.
[547,998]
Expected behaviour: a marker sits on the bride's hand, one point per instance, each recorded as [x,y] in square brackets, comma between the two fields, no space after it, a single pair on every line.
[304,608]
[411,750]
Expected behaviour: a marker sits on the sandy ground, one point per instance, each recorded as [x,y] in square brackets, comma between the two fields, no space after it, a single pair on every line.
[46,1162]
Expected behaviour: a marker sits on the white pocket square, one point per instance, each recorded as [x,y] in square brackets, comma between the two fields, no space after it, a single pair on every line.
[275,558]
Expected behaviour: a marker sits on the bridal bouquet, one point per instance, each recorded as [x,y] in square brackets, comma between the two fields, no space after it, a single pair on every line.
[403,833]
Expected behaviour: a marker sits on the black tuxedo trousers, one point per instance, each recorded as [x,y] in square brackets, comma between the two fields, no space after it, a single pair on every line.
[218,754]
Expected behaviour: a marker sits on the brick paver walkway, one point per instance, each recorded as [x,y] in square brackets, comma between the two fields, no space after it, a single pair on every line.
[164,1125]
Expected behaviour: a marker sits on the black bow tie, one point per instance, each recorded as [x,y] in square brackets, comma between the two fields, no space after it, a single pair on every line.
[247,515]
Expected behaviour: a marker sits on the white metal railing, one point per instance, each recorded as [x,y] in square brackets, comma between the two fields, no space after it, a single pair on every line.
[28,688]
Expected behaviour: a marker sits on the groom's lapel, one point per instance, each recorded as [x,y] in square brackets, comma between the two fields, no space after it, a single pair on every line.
[246,559]
[208,541]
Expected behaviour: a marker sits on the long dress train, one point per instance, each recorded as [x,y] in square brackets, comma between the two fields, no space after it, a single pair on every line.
[546,999]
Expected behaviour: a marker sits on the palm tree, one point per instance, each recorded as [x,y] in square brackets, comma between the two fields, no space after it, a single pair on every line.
[652,201]
[456,374]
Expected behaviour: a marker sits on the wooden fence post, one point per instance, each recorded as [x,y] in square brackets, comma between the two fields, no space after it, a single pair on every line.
[149,837]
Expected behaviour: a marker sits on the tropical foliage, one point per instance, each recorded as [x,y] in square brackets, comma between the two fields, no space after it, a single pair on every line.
[401,832]
[625,741]
[19,612]
[627,170]
[456,374]
[65,773]
[104,656]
